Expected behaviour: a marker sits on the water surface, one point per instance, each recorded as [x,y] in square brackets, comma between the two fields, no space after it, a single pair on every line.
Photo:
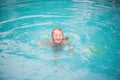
[93,27]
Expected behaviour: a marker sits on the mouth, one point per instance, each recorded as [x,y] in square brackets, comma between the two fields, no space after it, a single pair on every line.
[57,39]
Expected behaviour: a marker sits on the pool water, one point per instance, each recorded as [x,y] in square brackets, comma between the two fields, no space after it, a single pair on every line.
[93,27]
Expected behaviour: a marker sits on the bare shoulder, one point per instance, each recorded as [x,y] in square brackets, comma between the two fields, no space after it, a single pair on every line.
[65,42]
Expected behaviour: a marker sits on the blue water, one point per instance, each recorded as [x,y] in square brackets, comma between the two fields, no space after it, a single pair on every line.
[92,25]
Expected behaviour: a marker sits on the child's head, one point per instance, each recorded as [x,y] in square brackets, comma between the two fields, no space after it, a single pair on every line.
[57,35]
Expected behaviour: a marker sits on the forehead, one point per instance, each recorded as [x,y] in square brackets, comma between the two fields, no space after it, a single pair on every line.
[57,31]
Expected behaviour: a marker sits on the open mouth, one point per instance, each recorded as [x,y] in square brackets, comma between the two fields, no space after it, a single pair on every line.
[57,39]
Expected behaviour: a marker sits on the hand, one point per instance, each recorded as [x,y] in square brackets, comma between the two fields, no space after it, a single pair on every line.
[40,45]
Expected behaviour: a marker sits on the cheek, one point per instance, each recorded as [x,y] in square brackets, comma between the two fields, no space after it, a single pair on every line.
[54,37]
[61,36]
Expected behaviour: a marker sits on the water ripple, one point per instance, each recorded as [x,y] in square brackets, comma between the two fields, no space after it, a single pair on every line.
[30,16]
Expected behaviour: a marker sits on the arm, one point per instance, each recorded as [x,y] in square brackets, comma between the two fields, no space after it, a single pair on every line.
[69,45]
[42,42]
[70,49]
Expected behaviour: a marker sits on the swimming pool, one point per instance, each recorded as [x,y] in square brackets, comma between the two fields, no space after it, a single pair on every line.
[93,27]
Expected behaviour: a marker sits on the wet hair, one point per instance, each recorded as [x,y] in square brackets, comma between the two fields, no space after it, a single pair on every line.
[54,30]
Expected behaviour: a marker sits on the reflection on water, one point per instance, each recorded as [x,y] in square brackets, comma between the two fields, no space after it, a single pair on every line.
[93,29]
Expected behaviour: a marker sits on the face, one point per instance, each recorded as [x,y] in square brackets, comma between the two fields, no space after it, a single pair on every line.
[57,36]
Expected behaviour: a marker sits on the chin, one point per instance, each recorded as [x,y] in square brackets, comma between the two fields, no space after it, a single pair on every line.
[58,41]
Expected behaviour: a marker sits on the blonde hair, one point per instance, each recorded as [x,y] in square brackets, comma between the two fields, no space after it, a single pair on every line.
[56,29]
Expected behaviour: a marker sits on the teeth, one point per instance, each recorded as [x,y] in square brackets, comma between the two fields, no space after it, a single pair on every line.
[57,39]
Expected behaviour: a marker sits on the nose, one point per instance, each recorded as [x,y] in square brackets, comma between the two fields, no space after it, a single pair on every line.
[58,36]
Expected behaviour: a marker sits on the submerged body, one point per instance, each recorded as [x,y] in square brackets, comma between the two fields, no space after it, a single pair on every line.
[58,46]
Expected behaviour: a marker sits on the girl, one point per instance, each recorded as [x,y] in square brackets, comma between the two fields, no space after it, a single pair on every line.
[58,41]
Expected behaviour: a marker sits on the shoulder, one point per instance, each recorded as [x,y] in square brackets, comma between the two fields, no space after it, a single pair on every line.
[65,42]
